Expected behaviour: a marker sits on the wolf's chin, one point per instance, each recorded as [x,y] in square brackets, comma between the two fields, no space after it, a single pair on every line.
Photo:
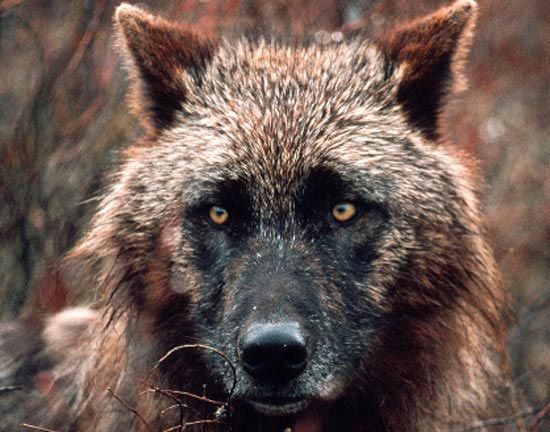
[304,415]
[312,419]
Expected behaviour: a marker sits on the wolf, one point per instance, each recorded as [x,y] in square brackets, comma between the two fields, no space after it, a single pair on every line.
[292,246]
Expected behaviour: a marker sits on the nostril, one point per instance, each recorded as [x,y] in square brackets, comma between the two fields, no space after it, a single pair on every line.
[295,354]
[274,352]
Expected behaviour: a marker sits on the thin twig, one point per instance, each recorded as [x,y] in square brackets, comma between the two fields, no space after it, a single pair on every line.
[128,407]
[38,428]
[92,27]
[545,411]
[533,411]
[193,423]
[179,403]
[204,347]
[184,393]
[518,381]
[207,348]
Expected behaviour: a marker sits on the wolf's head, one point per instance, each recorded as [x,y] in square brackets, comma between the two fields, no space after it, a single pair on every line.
[292,208]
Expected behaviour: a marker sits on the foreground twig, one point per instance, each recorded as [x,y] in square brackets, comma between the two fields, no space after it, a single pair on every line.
[133,410]
[529,412]
[199,346]
[167,392]
[183,393]
[179,403]
[545,411]
[38,428]
[192,423]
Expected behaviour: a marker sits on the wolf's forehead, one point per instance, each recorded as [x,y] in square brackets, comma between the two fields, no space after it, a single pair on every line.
[270,74]
[284,108]
[270,115]
[273,152]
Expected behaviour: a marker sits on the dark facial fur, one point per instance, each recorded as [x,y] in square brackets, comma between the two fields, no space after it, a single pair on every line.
[397,309]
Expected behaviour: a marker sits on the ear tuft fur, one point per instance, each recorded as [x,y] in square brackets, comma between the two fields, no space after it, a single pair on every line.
[429,54]
[165,59]
[126,12]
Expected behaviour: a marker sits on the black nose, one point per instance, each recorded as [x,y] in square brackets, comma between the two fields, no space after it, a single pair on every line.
[275,353]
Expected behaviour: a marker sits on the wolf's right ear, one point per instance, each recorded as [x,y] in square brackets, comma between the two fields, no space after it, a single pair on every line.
[165,60]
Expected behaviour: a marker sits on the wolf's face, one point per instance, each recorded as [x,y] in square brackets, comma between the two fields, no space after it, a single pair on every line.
[283,235]
[292,193]
[292,300]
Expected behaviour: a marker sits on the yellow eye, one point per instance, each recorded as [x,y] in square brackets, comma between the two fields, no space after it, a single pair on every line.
[218,215]
[344,211]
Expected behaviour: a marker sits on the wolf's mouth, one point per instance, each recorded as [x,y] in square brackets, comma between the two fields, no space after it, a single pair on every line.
[279,406]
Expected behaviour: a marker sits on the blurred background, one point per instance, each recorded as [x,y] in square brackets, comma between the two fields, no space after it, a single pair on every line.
[64,116]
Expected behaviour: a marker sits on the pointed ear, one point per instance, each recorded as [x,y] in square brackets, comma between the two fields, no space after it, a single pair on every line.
[427,56]
[165,60]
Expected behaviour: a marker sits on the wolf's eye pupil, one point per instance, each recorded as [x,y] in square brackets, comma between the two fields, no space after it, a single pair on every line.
[344,211]
[218,215]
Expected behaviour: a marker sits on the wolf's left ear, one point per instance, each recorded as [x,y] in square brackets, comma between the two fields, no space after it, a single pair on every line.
[427,56]
[165,59]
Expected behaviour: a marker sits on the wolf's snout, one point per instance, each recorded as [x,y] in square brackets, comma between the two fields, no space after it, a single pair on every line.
[275,353]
